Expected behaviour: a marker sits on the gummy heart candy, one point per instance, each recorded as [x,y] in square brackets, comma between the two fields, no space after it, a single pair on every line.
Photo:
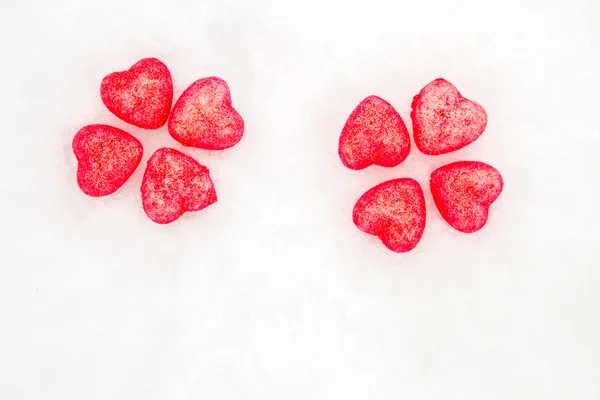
[394,211]
[203,116]
[106,156]
[463,192]
[175,183]
[374,134]
[142,95]
[443,120]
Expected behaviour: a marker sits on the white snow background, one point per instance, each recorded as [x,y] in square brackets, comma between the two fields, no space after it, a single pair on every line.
[272,293]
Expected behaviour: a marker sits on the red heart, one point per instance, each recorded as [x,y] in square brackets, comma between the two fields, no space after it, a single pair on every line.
[203,116]
[443,120]
[394,211]
[142,95]
[463,192]
[374,134]
[173,184]
[106,157]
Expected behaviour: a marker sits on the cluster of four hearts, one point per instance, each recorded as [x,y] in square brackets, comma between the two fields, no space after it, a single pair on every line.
[374,134]
[173,182]
[443,121]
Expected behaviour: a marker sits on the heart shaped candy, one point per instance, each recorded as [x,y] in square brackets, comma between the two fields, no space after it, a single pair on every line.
[142,95]
[106,157]
[374,134]
[463,192]
[173,184]
[394,211]
[443,120]
[203,116]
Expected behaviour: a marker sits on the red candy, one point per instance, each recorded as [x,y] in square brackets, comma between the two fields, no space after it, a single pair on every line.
[374,134]
[443,120]
[142,95]
[203,116]
[106,157]
[463,192]
[394,211]
[173,184]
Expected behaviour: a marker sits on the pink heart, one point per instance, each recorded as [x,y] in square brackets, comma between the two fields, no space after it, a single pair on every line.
[106,157]
[443,120]
[463,192]
[374,134]
[175,183]
[142,95]
[395,212]
[204,117]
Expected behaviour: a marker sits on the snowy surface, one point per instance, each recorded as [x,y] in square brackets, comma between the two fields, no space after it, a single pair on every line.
[272,293]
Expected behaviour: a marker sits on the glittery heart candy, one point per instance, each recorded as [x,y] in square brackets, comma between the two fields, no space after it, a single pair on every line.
[142,95]
[443,120]
[463,192]
[203,116]
[374,134]
[175,183]
[394,211]
[106,157]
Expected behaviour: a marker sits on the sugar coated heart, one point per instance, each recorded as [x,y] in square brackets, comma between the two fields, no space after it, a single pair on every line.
[394,211]
[374,134]
[142,95]
[106,157]
[443,120]
[463,192]
[173,184]
[203,116]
